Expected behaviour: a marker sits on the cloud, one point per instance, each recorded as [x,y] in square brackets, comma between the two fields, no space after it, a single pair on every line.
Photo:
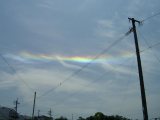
[105,23]
[121,69]
[17,58]
[65,64]
[7,81]
[42,80]
[46,4]
[107,33]
[86,4]
[106,28]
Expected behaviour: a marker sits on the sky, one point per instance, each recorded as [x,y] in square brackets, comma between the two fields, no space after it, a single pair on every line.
[77,57]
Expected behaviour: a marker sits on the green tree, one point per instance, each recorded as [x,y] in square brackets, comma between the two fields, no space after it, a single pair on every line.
[90,118]
[81,118]
[99,116]
[61,118]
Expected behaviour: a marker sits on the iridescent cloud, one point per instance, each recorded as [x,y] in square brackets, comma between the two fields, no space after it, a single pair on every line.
[27,56]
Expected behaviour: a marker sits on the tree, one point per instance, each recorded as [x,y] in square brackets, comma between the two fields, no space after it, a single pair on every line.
[90,118]
[81,118]
[61,118]
[101,116]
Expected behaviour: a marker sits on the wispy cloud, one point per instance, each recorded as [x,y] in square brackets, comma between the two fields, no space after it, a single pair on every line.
[106,28]
[17,58]
[69,65]
[7,81]
[105,23]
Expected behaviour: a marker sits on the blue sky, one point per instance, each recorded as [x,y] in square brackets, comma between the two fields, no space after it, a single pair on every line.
[43,42]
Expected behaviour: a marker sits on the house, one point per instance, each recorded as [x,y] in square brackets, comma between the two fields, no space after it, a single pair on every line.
[8,113]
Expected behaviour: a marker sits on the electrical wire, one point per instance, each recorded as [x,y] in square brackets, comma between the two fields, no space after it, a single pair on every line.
[83,67]
[154,15]
[76,72]
[94,81]
[86,65]
[150,47]
[101,76]
[79,70]
[14,71]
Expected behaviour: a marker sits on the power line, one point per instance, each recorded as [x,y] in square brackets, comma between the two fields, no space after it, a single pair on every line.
[100,77]
[97,79]
[87,64]
[150,47]
[83,67]
[14,71]
[154,15]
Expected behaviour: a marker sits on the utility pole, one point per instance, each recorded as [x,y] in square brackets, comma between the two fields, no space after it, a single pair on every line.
[72,116]
[143,96]
[34,105]
[50,113]
[38,113]
[16,103]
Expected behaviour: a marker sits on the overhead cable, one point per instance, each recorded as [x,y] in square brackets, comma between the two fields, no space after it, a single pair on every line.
[149,17]
[97,79]
[86,65]
[150,47]
[14,71]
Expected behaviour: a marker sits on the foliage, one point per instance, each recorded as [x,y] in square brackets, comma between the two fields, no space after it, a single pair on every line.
[81,118]
[61,118]
[101,116]
[43,118]
[98,116]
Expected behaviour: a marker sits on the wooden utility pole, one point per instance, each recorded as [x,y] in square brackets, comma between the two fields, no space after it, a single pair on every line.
[72,116]
[34,105]
[38,113]
[143,95]
[50,113]
[16,103]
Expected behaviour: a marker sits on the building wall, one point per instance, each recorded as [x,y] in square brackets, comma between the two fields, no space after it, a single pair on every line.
[8,113]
